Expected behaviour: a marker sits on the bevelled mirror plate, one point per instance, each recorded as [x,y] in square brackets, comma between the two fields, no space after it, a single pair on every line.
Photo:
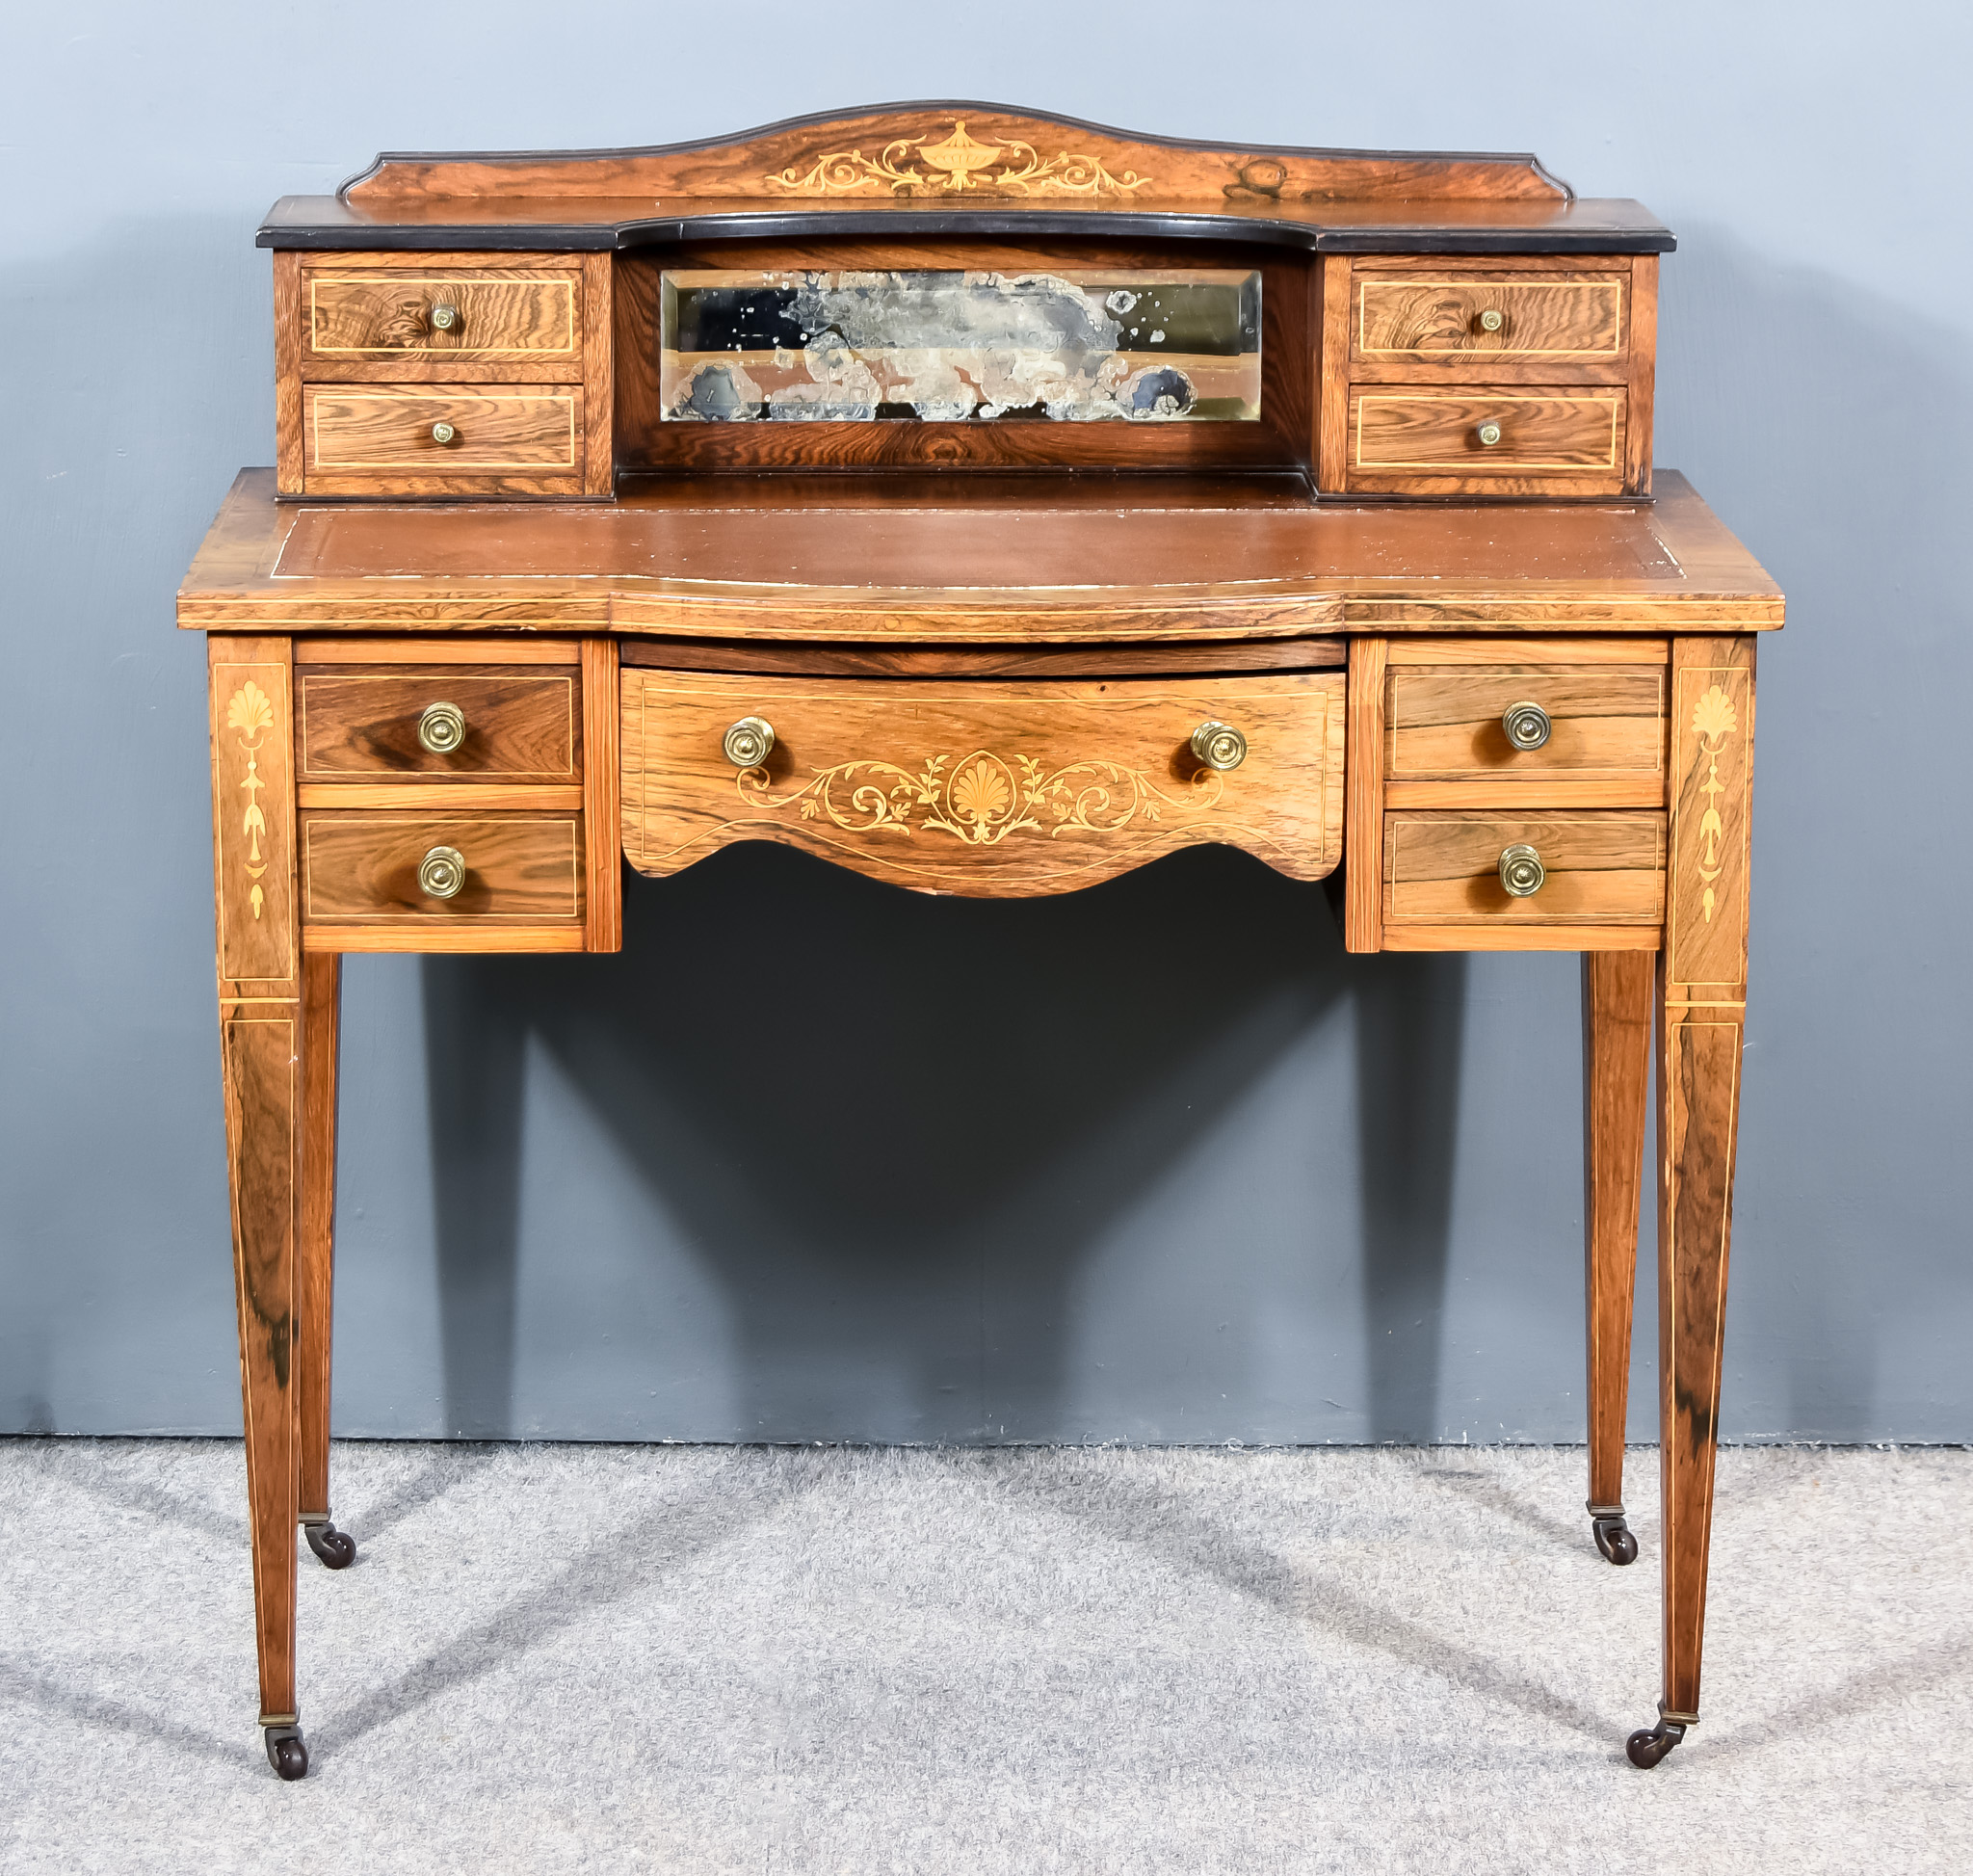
[1180,345]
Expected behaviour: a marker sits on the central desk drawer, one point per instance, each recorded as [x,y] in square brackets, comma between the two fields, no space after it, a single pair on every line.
[437,723]
[980,787]
[428,869]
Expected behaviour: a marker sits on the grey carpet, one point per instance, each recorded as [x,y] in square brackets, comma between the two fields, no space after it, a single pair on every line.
[555,1658]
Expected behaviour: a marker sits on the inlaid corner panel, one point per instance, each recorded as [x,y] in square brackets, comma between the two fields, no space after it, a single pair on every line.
[981,788]
[1712,727]
[253,817]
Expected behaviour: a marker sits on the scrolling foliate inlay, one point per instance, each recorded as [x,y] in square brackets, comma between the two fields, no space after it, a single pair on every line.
[254,818]
[251,713]
[1713,721]
[954,164]
[980,799]
[1706,900]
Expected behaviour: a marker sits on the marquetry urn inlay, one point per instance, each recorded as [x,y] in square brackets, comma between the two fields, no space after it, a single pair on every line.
[251,714]
[955,162]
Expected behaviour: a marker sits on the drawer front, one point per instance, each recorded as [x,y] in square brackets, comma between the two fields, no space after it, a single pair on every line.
[979,787]
[1602,868]
[363,868]
[528,431]
[1437,318]
[520,725]
[514,315]
[1447,724]
[1399,431]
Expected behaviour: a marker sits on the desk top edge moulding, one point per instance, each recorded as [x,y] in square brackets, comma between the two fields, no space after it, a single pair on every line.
[989,503]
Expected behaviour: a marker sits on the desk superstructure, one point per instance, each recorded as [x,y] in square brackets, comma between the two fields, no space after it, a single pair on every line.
[991,504]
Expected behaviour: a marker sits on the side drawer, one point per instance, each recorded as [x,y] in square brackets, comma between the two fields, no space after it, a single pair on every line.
[979,787]
[355,314]
[1601,870]
[440,439]
[512,869]
[1438,316]
[1411,439]
[1600,724]
[358,724]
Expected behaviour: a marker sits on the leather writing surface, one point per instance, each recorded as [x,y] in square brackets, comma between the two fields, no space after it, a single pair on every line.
[1138,542]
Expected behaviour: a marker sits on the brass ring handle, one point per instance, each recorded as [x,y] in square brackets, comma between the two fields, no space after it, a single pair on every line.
[1521,871]
[442,728]
[444,319]
[1488,433]
[441,873]
[1493,320]
[749,743]
[1218,746]
[1526,724]
[442,431]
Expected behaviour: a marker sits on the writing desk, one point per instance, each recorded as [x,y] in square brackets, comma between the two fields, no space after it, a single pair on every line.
[991,504]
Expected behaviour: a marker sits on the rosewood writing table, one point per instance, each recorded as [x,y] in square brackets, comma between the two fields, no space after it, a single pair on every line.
[991,504]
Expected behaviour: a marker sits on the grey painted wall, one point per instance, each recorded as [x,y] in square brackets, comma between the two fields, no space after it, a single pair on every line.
[815,1159]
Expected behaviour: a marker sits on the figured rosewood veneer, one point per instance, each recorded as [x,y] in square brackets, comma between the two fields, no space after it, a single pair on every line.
[1423,626]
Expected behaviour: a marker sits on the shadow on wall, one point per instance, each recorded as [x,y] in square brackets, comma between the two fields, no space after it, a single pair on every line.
[891,1123]
[1826,423]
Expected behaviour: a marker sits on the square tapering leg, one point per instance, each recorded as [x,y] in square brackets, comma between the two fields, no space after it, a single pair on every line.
[262,1063]
[1617,1005]
[1703,980]
[321,1010]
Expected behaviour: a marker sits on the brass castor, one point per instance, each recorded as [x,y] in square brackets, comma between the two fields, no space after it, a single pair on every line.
[1650,1744]
[336,1549]
[287,1751]
[1615,1539]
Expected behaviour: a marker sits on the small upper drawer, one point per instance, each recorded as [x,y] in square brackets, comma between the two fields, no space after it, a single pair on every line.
[531,430]
[464,440]
[440,722]
[1479,434]
[1524,722]
[1443,316]
[352,315]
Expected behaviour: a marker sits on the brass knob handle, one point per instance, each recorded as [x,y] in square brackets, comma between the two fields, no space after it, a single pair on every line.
[1526,724]
[444,319]
[442,728]
[442,432]
[1218,746]
[749,743]
[1488,433]
[1521,871]
[441,873]
[1491,320]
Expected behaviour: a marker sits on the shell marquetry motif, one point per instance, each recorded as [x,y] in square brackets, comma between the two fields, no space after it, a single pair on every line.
[250,712]
[1713,721]
[982,798]
[954,163]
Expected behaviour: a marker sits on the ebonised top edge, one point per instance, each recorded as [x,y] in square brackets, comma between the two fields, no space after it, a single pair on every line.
[322,222]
